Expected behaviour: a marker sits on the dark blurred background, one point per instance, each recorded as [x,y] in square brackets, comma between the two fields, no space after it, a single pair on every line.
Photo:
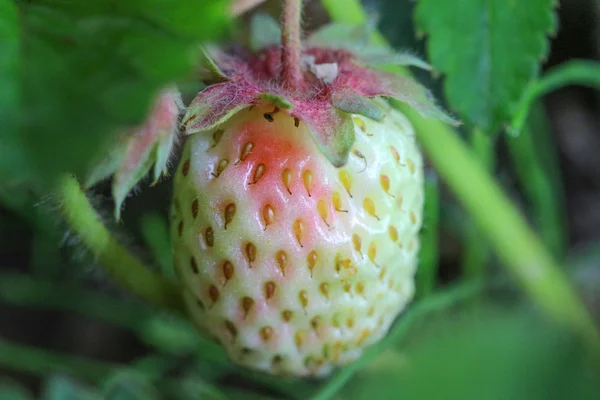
[574,125]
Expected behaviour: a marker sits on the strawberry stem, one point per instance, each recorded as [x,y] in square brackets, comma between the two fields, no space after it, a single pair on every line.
[291,54]
[117,261]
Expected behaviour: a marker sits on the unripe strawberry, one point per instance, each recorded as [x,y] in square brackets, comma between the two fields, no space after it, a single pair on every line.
[296,210]
[294,264]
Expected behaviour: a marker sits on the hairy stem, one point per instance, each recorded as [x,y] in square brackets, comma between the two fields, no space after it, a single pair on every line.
[517,246]
[117,261]
[291,54]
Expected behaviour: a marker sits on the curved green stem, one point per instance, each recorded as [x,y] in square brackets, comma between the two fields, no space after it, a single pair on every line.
[576,72]
[118,262]
[515,243]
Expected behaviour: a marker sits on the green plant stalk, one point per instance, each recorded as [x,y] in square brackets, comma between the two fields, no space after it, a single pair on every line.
[429,253]
[576,72]
[476,256]
[540,180]
[521,252]
[118,262]
[43,362]
[500,222]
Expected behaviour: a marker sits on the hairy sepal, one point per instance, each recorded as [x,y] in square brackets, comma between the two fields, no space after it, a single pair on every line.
[210,71]
[349,101]
[151,144]
[331,129]
[216,104]
[336,84]
[138,149]
[218,66]
[371,83]
[276,99]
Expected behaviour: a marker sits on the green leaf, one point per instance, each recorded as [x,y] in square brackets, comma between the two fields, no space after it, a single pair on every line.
[85,69]
[489,50]
[264,32]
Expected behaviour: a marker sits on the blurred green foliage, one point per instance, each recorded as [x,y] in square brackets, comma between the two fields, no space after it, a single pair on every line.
[497,355]
[72,73]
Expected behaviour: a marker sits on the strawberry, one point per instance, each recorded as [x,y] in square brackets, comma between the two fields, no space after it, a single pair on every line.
[297,206]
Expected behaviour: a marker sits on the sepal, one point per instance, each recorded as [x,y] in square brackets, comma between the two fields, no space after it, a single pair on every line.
[216,104]
[331,129]
[140,148]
